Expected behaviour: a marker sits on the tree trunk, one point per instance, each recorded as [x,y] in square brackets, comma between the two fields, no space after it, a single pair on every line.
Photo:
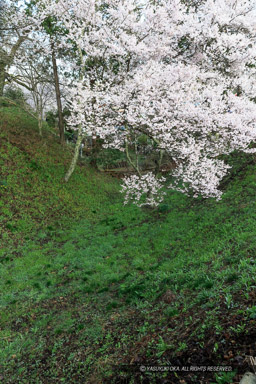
[76,154]
[58,99]
[79,139]
[2,80]
[40,126]
[40,119]
[6,61]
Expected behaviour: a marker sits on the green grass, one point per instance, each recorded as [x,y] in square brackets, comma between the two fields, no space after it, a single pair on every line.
[32,191]
[87,283]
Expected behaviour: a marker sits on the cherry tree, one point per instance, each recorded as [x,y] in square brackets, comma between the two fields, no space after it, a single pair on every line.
[15,28]
[184,77]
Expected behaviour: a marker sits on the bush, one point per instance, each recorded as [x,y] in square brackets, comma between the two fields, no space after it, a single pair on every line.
[51,118]
[15,94]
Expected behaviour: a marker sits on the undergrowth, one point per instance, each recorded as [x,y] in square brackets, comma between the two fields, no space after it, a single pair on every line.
[91,288]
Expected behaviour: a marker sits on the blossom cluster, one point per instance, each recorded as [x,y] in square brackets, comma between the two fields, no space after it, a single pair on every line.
[143,190]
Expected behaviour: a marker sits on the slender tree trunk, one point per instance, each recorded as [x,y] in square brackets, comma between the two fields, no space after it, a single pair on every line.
[40,125]
[38,113]
[6,61]
[58,99]
[79,138]
[40,119]
[134,165]
[159,161]
[2,80]
[76,154]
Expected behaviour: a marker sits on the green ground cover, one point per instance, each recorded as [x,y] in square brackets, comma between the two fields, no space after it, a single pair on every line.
[87,284]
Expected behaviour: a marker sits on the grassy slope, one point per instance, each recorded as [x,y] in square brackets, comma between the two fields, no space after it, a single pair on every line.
[33,194]
[87,284]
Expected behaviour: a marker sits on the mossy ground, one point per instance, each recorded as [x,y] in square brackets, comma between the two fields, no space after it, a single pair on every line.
[89,286]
